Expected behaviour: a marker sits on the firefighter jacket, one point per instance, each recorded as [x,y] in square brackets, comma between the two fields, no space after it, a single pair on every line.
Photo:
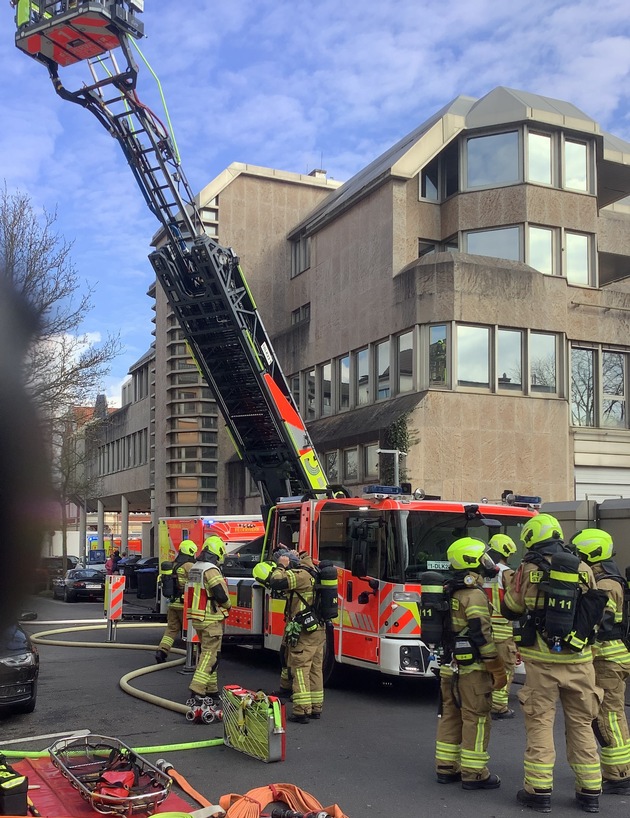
[502,629]
[297,585]
[524,595]
[209,601]
[608,644]
[471,617]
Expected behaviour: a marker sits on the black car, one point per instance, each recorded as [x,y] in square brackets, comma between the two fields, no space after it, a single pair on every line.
[19,669]
[79,583]
[240,561]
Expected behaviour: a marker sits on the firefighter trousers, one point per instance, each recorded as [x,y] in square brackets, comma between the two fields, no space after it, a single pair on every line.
[205,680]
[574,685]
[611,727]
[306,663]
[506,650]
[463,730]
[174,625]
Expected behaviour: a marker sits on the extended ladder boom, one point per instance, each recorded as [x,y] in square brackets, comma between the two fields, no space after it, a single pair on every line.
[203,281]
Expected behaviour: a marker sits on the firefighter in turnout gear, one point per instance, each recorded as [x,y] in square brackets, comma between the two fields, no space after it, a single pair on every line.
[173,584]
[207,607]
[471,669]
[543,594]
[500,548]
[305,634]
[611,660]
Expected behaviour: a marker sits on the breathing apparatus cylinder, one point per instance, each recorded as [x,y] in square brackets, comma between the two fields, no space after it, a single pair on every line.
[327,588]
[168,580]
[562,589]
[434,610]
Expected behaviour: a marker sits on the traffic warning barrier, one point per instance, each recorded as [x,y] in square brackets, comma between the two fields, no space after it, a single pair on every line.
[114,592]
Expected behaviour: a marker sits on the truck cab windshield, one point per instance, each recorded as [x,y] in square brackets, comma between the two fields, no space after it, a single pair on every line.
[398,546]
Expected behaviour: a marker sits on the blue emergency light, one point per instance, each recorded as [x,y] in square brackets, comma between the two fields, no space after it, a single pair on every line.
[382,490]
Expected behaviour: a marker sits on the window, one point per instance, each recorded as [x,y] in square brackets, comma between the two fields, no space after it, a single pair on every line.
[429,181]
[343,382]
[370,461]
[613,389]
[473,356]
[404,362]
[294,384]
[438,359]
[426,248]
[503,242]
[331,466]
[539,158]
[540,249]
[510,359]
[302,313]
[575,165]
[185,378]
[382,370]
[310,394]
[300,255]
[492,160]
[582,387]
[326,389]
[450,168]
[542,362]
[350,464]
[577,258]
[362,376]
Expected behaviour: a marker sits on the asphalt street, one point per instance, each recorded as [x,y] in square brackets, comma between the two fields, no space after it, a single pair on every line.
[371,753]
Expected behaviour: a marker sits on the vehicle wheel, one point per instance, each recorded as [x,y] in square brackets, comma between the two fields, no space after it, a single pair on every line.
[68,596]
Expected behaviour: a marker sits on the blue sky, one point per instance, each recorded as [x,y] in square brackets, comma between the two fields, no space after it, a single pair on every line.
[289,85]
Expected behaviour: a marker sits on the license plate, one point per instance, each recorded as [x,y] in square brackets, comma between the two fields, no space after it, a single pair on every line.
[91,586]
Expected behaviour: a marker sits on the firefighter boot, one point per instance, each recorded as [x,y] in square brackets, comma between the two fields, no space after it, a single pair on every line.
[448,776]
[588,800]
[160,656]
[539,801]
[620,787]
[492,782]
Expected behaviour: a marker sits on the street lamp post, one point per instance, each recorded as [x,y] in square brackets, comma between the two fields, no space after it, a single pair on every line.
[396,453]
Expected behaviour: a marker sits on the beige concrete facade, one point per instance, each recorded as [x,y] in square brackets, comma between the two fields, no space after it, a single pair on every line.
[392,272]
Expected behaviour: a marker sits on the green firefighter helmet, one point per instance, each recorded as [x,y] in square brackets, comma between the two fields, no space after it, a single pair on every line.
[188,548]
[593,545]
[502,545]
[262,571]
[541,528]
[466,553]
[215,546]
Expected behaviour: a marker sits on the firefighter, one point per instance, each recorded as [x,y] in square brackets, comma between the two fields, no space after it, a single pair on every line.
[500,548]
[554,670]
[305,633]
[611,660]
[173,586]
[473,672]
[207,609]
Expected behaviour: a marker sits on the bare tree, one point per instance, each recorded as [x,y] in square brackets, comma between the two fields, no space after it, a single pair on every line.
[64,367]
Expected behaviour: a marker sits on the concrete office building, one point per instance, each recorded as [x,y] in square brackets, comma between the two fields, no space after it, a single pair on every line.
[464,297]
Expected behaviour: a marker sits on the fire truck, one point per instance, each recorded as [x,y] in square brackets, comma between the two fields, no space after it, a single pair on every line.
[382,541]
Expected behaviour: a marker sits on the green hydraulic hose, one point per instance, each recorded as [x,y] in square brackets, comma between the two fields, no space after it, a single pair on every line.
[166,748]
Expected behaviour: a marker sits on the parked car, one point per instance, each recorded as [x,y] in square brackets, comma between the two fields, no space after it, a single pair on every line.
[79,583]
[240,561]
[50,568]
[19,669]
